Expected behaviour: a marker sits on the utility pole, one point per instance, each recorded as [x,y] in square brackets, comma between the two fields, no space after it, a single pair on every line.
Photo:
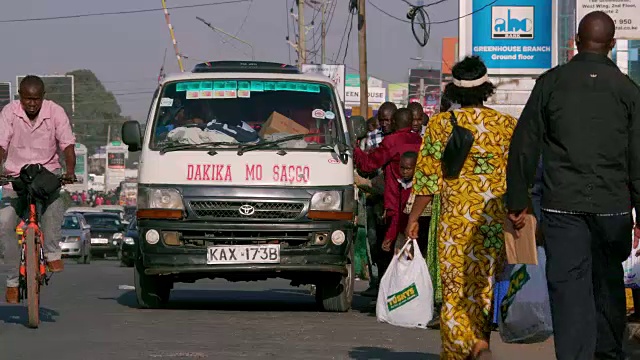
[302,50]
[421,91]
[323,33]
[173,35]
[362,54]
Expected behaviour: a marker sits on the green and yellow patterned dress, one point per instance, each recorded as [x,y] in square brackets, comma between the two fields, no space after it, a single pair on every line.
[471,244]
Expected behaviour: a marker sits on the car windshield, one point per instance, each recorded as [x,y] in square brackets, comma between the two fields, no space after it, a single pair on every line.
[70,223]
[233,112]
[101,221]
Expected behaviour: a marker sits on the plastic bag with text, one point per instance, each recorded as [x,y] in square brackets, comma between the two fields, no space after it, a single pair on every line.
[631,266]
[525,312]
[406,293]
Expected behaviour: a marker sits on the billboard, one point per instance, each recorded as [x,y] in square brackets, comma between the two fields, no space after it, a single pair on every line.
[80,170]
[626,15]
[115,170]
[377,95]
[431,89]
[115,161]
[399,93]
[58,88]
[5,94]
[353,80]
[514,37]
[336,73]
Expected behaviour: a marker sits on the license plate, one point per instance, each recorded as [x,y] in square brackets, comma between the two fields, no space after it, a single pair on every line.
[99,241]
[244,254]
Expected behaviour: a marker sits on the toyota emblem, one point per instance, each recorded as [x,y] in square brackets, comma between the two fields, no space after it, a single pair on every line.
[247,210]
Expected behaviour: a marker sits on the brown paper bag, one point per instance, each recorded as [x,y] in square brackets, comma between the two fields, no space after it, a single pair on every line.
[521,249]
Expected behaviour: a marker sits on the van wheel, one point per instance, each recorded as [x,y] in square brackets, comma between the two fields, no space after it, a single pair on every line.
[152,292]
[335,294]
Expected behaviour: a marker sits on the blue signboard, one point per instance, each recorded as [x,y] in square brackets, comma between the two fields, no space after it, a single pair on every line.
[513,35]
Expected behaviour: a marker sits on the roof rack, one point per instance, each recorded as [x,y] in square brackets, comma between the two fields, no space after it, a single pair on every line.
[245,66]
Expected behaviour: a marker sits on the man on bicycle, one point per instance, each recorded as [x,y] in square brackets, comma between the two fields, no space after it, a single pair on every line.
[31,132]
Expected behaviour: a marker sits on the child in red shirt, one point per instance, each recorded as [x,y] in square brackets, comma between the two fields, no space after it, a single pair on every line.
[395,216]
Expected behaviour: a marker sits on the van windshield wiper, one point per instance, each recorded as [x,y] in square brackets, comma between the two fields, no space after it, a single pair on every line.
[205,145]
[267,144]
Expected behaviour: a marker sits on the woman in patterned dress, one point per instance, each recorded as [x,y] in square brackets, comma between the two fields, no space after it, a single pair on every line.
[470,241]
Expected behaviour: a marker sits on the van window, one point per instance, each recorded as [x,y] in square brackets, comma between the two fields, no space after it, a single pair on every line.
[247,111]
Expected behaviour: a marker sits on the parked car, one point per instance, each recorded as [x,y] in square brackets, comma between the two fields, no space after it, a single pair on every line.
[83,210]
[76,238]
[128,245]
[107,231]
[114,209]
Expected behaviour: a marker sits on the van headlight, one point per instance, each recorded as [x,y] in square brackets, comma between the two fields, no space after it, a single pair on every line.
[118,236]
[129,241]
[326,201]
[160,199]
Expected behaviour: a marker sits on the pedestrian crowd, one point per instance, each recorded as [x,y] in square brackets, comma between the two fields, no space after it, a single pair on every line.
[93,198]
[571,161]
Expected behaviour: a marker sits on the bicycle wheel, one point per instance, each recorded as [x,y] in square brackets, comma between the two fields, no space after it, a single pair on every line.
[33,279]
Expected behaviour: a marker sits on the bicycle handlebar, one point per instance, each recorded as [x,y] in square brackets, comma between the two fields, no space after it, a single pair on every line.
[5,180]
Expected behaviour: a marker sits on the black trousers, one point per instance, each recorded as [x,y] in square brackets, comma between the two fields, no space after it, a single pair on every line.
[586,285]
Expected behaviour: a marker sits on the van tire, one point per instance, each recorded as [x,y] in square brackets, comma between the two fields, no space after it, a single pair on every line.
[335,293]
[152,292]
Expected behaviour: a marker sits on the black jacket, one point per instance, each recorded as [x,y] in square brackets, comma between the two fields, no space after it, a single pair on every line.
[584,117]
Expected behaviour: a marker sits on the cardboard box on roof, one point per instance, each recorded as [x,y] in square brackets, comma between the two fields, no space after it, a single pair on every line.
[278,123]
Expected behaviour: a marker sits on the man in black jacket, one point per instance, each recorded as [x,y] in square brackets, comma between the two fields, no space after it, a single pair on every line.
[584,117]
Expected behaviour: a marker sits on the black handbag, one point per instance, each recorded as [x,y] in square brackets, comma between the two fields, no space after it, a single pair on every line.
[39,182]
[457,149]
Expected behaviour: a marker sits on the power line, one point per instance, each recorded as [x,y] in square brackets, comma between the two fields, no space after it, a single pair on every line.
[432,22]
[75,16]
[245,18]
[346,49]
[344,33]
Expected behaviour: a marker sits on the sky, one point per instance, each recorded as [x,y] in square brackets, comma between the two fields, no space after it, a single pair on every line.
[126,51]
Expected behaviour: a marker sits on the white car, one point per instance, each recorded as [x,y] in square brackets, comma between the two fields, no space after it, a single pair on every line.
[83,210]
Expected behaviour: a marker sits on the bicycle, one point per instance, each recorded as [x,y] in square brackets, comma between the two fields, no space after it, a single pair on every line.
[33,270]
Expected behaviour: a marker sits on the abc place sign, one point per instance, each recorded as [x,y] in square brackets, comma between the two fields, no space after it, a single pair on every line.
[513,38]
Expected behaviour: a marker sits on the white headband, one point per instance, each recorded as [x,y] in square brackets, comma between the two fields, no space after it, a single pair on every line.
[471,83]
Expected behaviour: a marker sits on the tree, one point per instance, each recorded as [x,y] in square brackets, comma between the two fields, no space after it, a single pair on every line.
[93,101]
[96,111]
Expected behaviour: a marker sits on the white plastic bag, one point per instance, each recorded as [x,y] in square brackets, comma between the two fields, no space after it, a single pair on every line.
[525,311]
[406,294]
[631,266]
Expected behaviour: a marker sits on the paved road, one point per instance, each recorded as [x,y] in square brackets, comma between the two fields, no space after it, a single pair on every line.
[88,315]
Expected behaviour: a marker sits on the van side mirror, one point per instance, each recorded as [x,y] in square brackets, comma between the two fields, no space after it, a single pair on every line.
[131,135]
[359,126]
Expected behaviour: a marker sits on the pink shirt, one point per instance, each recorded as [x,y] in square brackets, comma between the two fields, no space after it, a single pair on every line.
[34,143]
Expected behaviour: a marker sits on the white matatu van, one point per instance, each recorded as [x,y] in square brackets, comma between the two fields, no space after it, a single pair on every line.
[245,174]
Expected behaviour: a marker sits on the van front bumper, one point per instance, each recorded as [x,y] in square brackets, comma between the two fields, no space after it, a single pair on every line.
[299,252]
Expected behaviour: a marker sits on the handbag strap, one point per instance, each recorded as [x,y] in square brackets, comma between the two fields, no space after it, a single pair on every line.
[452,119]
